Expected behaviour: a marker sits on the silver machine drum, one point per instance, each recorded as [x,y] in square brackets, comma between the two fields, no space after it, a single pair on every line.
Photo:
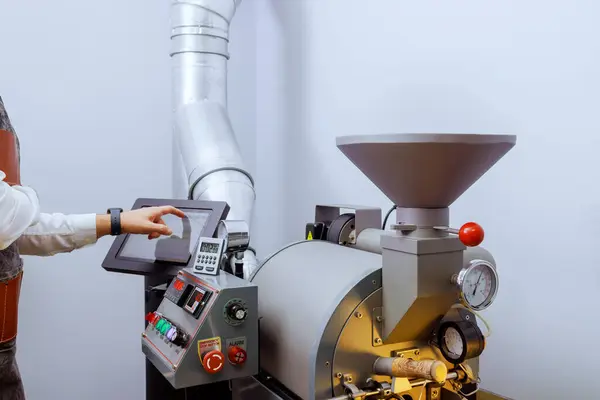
[308,291]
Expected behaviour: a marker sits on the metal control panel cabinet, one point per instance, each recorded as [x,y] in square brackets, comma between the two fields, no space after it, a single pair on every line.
[205,330]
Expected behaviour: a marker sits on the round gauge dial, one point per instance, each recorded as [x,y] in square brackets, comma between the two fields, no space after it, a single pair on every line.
[478,284]
[453,342]
[460,341]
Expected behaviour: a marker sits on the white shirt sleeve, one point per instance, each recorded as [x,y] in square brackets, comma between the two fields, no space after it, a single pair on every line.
[38,233]
[58,233]
[19,209]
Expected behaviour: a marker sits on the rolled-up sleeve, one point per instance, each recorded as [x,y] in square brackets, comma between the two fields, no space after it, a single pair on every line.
[58,233]
[19,209]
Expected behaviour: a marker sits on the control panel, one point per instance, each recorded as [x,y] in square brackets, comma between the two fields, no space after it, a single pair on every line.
[205,329]
[209,253]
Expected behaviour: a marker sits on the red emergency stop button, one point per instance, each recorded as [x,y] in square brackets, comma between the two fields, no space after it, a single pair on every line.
[213,361]
[236,355]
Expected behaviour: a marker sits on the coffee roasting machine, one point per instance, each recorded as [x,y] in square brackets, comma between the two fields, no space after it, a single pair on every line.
[358,309]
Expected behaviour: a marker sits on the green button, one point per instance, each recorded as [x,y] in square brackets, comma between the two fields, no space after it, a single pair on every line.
[159,324]
[165,328]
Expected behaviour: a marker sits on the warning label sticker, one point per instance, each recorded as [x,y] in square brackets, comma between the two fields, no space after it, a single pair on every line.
[206,345]
[309,237]
[238,342]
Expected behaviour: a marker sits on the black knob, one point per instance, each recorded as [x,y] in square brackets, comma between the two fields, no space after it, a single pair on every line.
[180,339]
[237,312]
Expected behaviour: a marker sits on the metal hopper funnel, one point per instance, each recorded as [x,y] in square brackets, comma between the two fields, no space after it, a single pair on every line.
[425,170]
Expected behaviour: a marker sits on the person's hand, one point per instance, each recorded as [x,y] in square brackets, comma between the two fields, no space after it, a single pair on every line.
[145,221]
[148,221]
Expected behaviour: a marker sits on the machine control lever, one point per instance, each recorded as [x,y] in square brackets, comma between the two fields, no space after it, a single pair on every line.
[470,234]
[401,367]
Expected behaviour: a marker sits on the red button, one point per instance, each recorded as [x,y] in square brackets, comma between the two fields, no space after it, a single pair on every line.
[213,361]
[236,355]
[152,318]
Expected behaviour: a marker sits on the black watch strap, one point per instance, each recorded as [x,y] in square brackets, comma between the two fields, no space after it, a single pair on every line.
[115,221]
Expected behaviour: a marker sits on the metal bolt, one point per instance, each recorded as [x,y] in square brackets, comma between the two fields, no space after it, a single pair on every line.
[467,317]
[379,318]
[327,363]
[401,355]
[338,375]
[417,352]
[434,393]
[358,314]
[378,340]
[374,282]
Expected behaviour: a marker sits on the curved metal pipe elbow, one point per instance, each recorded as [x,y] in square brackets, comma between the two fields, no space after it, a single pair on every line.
[203,133]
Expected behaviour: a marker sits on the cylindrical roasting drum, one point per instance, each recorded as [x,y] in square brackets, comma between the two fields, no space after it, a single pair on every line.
[308,290]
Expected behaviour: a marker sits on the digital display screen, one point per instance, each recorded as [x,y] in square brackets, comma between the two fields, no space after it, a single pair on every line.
[207,247]
[195,299]
[178,285]
[176,248]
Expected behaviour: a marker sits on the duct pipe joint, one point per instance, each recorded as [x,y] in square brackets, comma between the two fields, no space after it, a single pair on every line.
[201,26]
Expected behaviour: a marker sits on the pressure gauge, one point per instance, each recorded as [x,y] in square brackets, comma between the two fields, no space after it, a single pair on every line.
[235,233]
[460,341]
[478,284]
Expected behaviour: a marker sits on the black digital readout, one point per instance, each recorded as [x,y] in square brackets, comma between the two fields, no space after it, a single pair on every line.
[209,247]
[196,300]
[197,296]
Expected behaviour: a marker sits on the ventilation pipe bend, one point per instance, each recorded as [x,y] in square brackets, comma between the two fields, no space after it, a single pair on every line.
[203,133]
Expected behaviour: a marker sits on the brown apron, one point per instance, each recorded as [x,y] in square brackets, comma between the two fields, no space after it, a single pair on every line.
[11,272]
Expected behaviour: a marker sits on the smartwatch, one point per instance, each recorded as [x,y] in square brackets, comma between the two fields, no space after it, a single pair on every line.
[115,220]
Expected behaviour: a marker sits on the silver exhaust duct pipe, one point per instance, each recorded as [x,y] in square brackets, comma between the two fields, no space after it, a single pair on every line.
[204,137]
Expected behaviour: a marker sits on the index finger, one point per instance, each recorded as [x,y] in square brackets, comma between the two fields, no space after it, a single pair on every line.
[171,210]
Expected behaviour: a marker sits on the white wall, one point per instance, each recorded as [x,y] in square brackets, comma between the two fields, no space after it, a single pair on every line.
[87,86]
[529,67]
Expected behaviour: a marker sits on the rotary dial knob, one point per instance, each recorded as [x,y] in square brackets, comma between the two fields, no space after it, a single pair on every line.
[237,312]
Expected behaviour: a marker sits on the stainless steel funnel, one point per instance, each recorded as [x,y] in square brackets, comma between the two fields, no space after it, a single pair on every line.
[425,170]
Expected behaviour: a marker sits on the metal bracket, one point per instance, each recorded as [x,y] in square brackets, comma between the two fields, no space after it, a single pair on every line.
[413,353]
[351,389]
[155,290]
[377,326]
[400,385]
[434,392]
[364,217]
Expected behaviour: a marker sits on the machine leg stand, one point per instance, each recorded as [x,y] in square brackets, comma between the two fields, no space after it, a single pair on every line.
[157,387]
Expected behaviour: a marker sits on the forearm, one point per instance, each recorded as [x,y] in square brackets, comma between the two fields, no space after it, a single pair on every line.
[102,225]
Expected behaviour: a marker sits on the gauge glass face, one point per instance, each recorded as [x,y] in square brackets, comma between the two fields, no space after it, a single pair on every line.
[479,286]
[453,342]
